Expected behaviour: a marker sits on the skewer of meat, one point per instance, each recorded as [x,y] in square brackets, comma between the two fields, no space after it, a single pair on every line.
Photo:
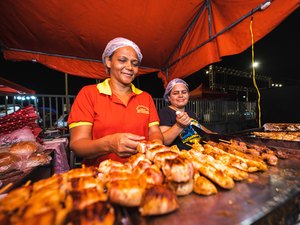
[280,135]
[256,151]
[230,171]
[248,165]
[211,172]
[203,186]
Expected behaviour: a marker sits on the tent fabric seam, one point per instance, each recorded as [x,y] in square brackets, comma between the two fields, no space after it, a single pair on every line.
[214,36]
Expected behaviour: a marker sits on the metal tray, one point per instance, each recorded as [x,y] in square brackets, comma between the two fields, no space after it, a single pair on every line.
[248,137]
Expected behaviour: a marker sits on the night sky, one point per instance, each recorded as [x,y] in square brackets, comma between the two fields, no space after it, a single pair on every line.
[277,53]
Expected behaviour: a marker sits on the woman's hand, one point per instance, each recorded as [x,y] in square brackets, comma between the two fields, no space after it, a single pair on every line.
[183,119]
[124,144]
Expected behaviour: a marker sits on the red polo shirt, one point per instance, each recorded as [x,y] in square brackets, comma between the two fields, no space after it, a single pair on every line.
[95,105]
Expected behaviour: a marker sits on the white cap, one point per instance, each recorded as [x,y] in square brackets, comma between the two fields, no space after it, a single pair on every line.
[170,86]
[120,42]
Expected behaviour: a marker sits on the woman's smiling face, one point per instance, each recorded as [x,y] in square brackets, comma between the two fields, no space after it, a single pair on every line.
[179,96]
[123,64]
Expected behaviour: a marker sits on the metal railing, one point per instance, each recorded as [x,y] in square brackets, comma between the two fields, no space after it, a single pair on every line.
[211,111]
[54,109]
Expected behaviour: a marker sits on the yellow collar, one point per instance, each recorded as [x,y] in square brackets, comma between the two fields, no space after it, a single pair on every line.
[104,88]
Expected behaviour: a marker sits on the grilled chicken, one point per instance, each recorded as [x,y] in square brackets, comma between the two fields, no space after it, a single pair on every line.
[182,188]
[15,199]
[152,175]
[158,200]
[160,157]
[99,213]
[228,170]
[150,180]
[141,167]
[82,172]
[203,186]
[109,165]
[135,159]
[150,153]
[80,183]
[248,165]
[208,170]
[85,197]
[144,146]
[126,192]
[178,169]
[56,181]
[280,135]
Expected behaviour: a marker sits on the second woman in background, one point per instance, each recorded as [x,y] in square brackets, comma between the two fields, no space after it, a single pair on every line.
[177,123]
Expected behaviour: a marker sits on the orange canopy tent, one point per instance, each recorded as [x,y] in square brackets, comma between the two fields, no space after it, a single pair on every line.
[9,87]
[177,37]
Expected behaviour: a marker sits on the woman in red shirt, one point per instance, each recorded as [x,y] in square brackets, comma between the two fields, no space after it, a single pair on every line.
[109,119]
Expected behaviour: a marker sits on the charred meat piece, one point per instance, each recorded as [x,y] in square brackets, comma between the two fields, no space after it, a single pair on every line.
[99,213]
[178,169]
[126,192]
[158,200]
[86,197]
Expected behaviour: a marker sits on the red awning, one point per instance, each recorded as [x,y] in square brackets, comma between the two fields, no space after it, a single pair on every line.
[9,87]
[177,38]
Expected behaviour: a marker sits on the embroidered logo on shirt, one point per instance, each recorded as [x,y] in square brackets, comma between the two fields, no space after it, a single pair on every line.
[142,109]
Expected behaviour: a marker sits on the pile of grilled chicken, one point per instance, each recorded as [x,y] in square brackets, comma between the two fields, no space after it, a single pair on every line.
[151,180]
[279,135]
[280,131]
[286,127]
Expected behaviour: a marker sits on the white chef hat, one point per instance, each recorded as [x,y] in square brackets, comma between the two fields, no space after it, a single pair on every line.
[170,86]
[120,42]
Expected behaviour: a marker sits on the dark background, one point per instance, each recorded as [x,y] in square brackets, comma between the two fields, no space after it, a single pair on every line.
[278,54]
[281,105]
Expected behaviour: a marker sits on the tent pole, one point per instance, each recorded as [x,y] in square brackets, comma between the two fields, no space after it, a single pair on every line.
[67,93]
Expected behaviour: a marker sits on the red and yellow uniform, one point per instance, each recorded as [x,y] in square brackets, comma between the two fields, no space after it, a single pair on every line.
[95,105]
